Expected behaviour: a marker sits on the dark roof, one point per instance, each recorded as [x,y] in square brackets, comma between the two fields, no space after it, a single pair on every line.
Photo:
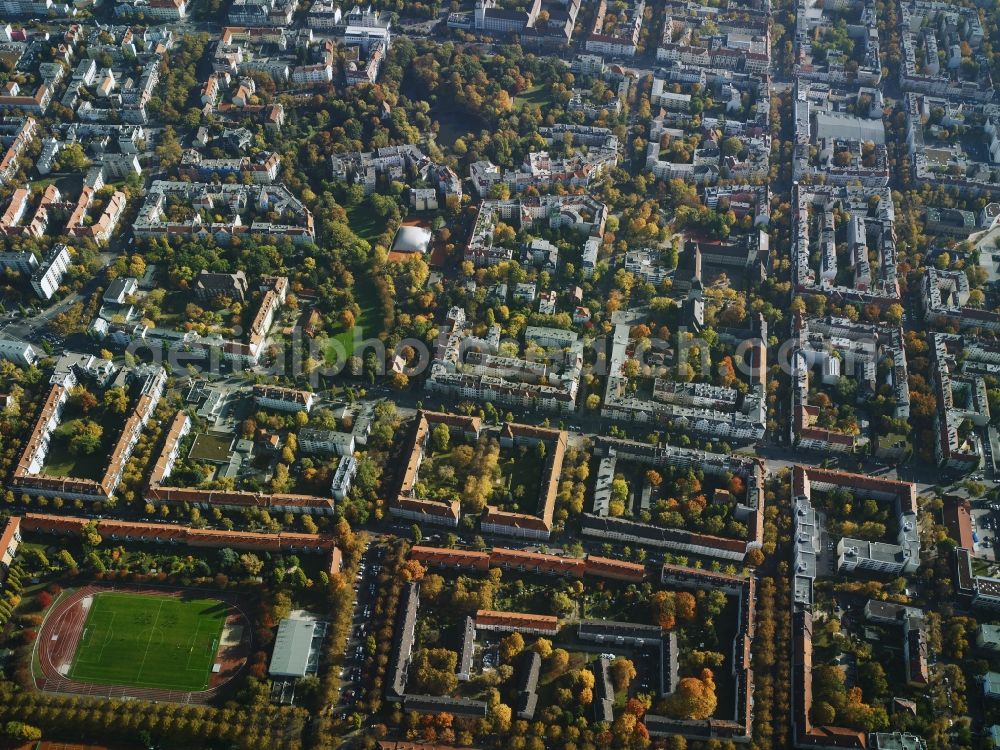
[613,628]
[403,639]
[444,704]
[604,693]
[527,697]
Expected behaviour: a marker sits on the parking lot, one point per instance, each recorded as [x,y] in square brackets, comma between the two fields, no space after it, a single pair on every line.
[356,651]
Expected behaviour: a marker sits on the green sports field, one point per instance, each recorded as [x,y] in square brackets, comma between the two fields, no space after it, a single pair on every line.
[149,641]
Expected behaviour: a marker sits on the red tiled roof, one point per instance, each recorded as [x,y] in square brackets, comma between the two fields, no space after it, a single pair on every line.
[516,620]
[958,520]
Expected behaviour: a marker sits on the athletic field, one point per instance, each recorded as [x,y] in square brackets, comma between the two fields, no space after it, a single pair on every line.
[149,641]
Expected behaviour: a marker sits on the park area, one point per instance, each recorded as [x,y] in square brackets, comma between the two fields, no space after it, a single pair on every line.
[149,641]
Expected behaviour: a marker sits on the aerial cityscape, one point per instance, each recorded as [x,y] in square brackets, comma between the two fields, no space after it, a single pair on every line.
[499,374]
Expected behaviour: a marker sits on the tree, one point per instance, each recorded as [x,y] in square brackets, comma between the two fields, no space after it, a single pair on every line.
[67,560]
[431,587]
[823,713]
[511,646]
[85,437]
[561,603]
[251,564]
[228,559]
[168,151]
[21,732]
[501,714]
[417,533]
[694,697]
[622,672]
[558,661]
[894,314]
[82,399]
[433,670]
[91,538]
[593,402]
[72,158]
[440,438]
[116,400]
[731,146]
[542,647]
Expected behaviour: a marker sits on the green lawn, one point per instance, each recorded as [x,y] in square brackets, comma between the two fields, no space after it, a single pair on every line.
[365,223]
[521,479]
[370,320]
[536,95]
[149,641]
[61,462]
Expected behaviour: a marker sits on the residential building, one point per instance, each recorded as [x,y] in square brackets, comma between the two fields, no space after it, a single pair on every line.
[465,366]
[516,622]
[343,476]
[616,34]
[211,286]
[863,555]
[48,276]
[10,540]
[744,421]
[16,136]
[152,10]
[19,352]
[329,442]
[146,384]
[283,399]
[210,200]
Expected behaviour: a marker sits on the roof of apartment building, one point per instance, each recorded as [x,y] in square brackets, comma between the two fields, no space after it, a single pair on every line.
[432,508]
[10,530]
[468,559]
[601,567]
[280,393]
[554,564]
[918,671]
[958,520]
[403,745]
[162,532]
[516,620]
[904,492]
[665,535]
[402,639]
[623,629]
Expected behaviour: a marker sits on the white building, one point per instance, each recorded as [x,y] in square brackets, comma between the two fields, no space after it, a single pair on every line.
[47,278]
[330,442]
[17,351]
[283,399]
[343,477]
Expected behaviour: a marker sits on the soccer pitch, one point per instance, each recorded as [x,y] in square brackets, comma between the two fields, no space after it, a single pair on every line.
[149,641]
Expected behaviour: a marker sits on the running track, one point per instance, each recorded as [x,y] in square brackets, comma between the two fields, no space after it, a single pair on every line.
[60,634]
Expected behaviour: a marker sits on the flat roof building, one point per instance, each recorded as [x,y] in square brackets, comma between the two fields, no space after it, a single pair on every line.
[294,652]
